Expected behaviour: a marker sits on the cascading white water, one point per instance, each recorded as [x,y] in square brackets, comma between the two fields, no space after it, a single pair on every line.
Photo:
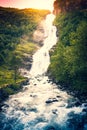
[41,105]
[41,59]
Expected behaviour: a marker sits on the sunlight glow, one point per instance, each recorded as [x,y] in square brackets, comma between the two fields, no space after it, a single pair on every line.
[37,4]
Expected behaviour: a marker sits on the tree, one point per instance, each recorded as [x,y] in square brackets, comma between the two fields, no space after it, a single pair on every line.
[15,64]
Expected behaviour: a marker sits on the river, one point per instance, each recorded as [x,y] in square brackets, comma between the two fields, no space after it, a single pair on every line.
[41,105]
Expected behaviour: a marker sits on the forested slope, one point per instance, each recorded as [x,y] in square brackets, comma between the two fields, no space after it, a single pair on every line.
[69,59]
[16,29]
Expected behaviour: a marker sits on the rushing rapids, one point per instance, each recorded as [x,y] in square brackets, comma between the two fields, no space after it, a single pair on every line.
[41,105]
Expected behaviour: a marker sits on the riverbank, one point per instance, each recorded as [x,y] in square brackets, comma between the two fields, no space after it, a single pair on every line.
[68,60]
[79,95]
[24,51]
[8,86]
[11,80]
[11,89]
[82,96]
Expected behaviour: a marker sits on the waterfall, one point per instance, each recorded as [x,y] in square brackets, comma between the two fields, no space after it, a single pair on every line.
[41,105]
[41,59]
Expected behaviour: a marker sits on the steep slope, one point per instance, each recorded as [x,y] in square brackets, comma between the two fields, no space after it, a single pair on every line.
[16,45]
[69,59]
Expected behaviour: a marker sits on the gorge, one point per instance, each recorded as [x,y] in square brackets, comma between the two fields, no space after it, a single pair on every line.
[41,105]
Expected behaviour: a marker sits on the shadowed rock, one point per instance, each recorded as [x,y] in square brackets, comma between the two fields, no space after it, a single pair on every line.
[51,100]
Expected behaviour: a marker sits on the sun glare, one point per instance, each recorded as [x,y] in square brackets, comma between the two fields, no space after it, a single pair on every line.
[37,4]
[41,4]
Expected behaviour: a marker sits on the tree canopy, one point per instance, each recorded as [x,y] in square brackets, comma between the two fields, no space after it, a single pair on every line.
[16,28]
[69,60]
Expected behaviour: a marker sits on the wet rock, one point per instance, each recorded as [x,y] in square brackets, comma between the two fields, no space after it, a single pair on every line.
[1,105]
[44,83]
[74,104]
[58,96]
[25,89]
[77,103]
[33,110]
[35,84]
[23,109]
[84,104]
[49,80]
[51,100]
[0,108]
[38,78]
[84,110]
[55,111]
[40,119]
[33,96]
[6,105]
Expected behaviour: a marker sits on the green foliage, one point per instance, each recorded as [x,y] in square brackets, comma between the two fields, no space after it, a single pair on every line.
[16,29]
[26,48]
[16,25]
[7,77]
[8,91]
[69,60]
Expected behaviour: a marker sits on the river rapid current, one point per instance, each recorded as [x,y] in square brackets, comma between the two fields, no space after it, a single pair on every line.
[41,105]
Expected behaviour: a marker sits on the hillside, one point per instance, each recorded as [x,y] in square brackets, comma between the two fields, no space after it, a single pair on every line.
[69,59]
[16,43]
[17,26]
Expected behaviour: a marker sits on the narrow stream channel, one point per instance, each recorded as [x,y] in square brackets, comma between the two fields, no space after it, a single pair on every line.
[42,105]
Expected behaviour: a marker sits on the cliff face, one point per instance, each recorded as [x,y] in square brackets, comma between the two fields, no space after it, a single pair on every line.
[69,5]
[57,9]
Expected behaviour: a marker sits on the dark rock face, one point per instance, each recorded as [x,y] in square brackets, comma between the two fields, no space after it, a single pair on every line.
[69,5]
[56,9]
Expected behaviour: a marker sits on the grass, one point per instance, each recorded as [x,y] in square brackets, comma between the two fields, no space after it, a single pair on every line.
[7,77]
[23,51]
[7,82]
[26,49]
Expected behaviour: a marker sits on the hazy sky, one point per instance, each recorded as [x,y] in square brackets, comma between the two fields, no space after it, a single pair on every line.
[40,4]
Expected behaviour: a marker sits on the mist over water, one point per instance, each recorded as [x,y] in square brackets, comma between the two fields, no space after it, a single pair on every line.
[42,105]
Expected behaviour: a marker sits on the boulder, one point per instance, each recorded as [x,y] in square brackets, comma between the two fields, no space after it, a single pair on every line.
[51,100]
